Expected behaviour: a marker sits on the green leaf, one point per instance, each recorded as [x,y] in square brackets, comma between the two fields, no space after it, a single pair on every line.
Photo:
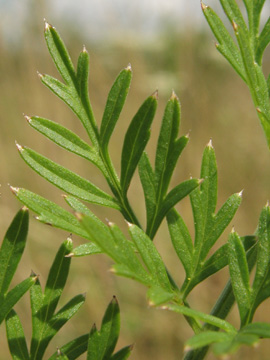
[74,348]
[260,329]
[64,138]
[115,102]
[234,14]
[168,147]
[110,328]
[82,81]
[112,242]
[226,45]
[181,240]
[158,296]
[172,198]
[12,248]
[150,257]
[59,54]
[206,338]
[210,319]
[15,336]
[49,212]
[65,179]
[221,221]
[57,278]
[44,305]
[263,42]
[122,354]
[239,274]
[14,295]
[263,252]
[63,315]
[147,177]
[93,352]
[136,139]
[49,329]
[125,250]
[85,250]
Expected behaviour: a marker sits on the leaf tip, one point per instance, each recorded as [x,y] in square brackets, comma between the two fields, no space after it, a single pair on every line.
[19,147]
[210,144]
[47,26]
[187,348]
[79,216]
[25,208]
[128,68]
[15,190]
[84,49]
[240,194]
[174,96]
[69,255]
[235,27]
[114,300]
[40,75]
[27,118]
[128,223]
[155,95]
[109,223]
[203,6]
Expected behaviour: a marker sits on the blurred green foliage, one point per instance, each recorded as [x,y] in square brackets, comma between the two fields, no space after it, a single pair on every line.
[213,100]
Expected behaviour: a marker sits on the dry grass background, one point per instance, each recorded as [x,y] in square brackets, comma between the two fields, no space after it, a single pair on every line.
[215,104]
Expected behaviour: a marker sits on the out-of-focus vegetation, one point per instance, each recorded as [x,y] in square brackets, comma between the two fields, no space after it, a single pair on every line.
[215,104]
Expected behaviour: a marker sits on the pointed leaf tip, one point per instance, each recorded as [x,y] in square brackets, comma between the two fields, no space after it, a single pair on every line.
[174,96]
[129,68]
[203,6]
[155,95]
[15,190]
[210,144]
[47,26]
[69,255]
[40,75]
[240,194]
[19,147]
[128,223]
[235,26]
[27,118]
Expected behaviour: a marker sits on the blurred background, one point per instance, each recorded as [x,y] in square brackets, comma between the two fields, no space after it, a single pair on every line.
[169,47]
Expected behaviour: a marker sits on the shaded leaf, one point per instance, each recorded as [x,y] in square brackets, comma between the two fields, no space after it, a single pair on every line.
[14,295]
[150,256]
[12,248]
[181,240]
[172,198]
[147,177]
[115,102]
[136,139]
[239,274]
[15,336]
[74,348]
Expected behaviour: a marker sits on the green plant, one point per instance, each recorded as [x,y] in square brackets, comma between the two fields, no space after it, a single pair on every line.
[10,255]
[137,257]
[46,322]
